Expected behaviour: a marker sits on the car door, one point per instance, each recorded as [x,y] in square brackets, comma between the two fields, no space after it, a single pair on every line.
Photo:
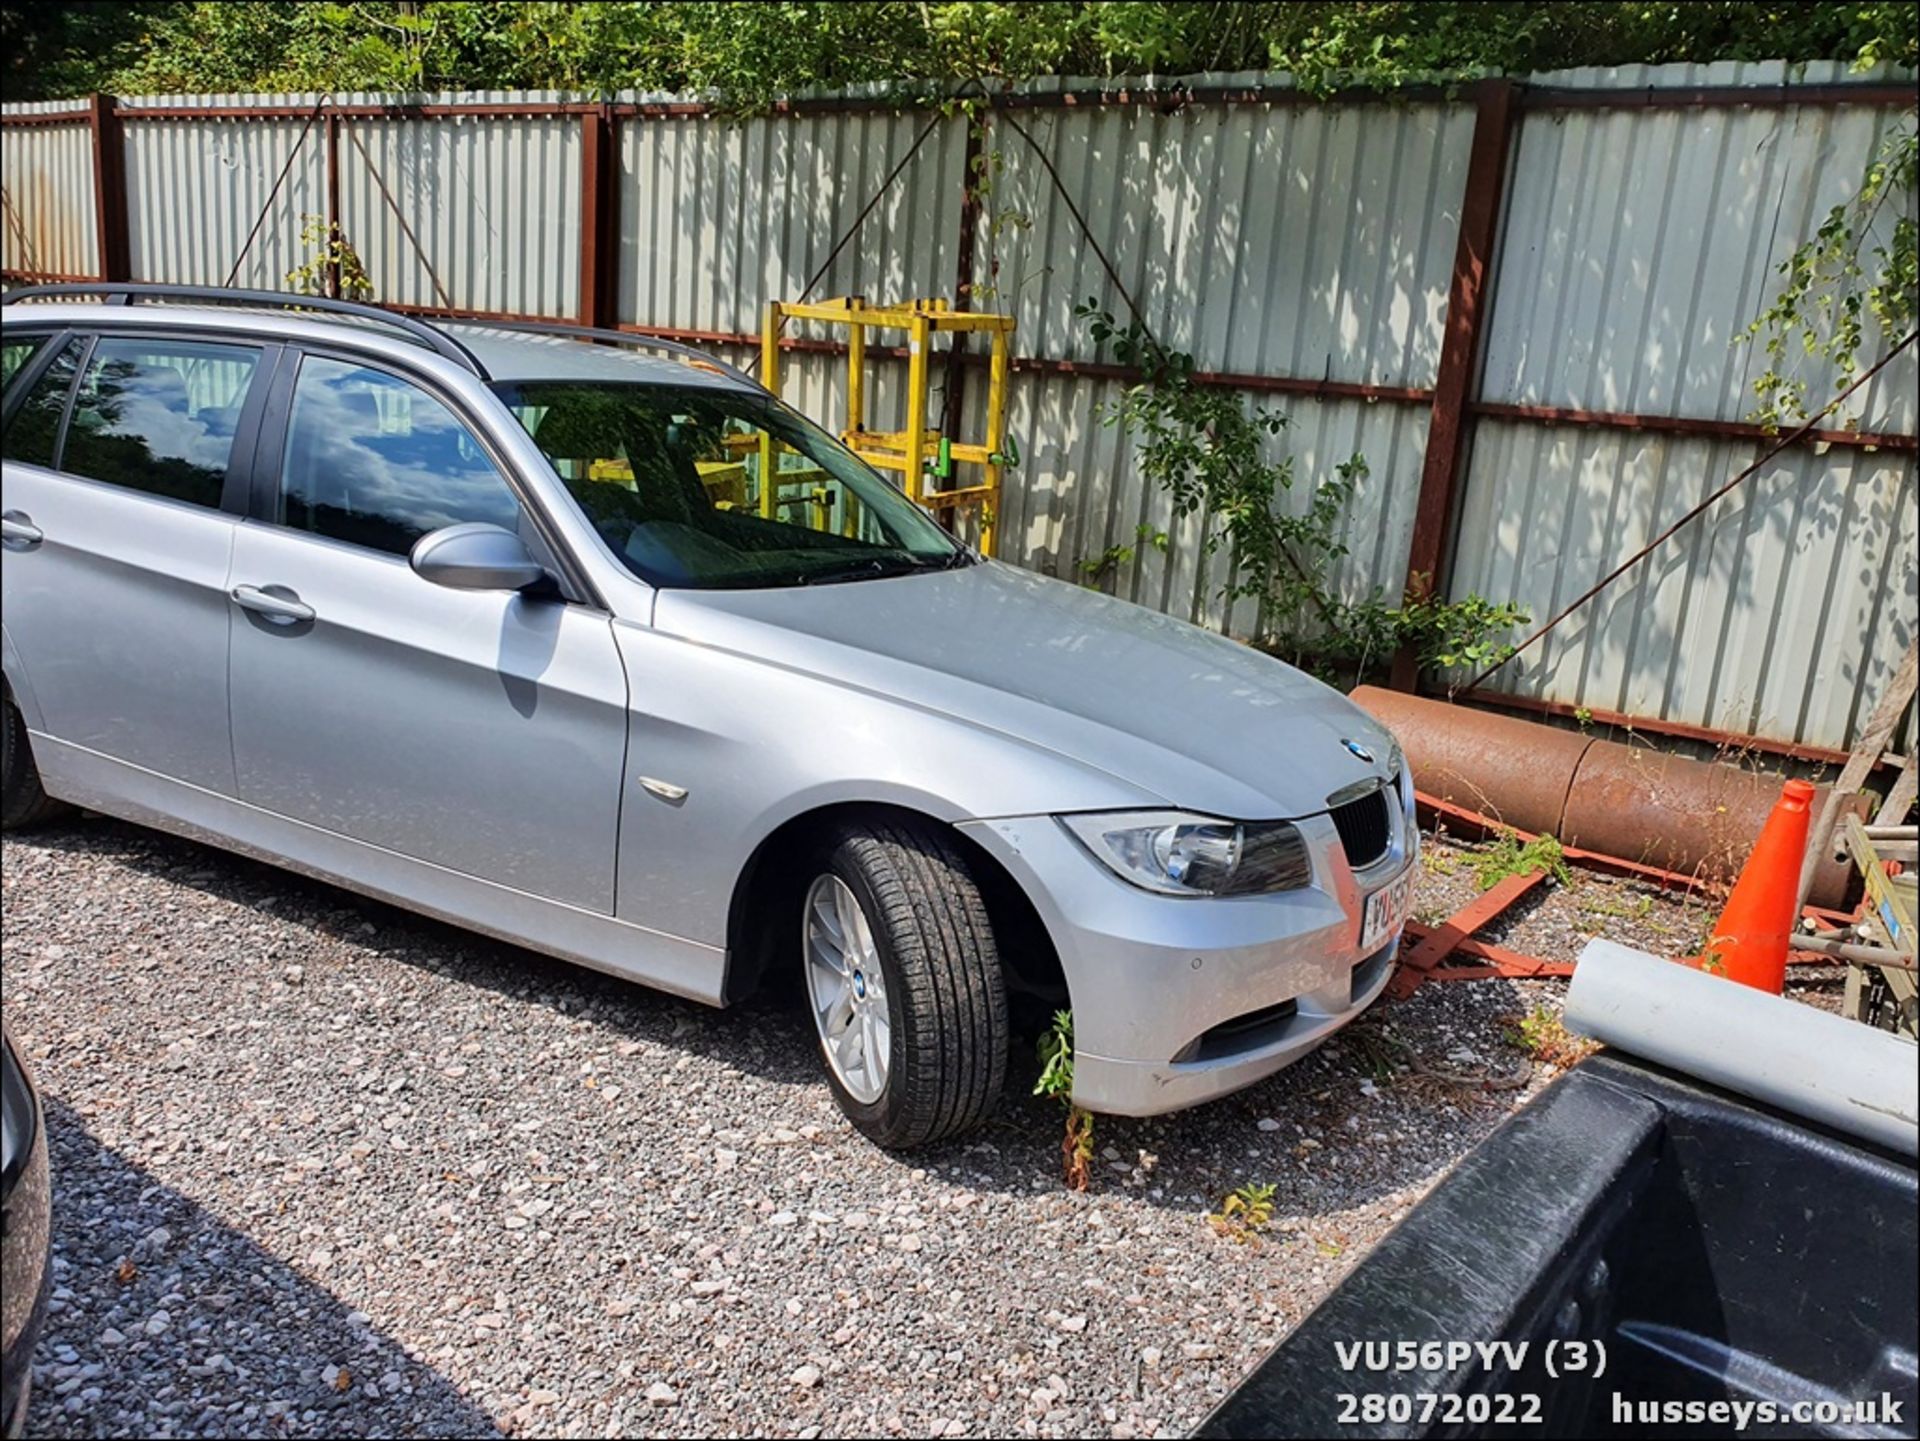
[480,731]
[121,499]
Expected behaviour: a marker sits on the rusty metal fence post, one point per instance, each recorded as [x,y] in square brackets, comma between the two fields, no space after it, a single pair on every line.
[113,245]
[972,160]
[599,219]
[1468,298]
[336,222]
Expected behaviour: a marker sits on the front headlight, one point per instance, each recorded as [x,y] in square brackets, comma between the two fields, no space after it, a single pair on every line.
[1178,854]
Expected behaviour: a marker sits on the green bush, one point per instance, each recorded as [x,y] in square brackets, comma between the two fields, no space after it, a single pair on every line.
[753,52]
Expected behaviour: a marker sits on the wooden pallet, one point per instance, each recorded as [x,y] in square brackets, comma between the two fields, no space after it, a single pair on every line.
[1885,994]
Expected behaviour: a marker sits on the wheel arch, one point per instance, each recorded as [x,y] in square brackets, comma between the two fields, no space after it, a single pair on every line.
[769,888]
[18,688]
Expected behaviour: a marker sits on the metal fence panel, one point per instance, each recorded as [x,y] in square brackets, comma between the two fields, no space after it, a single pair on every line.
[1310,241]
[468,213]
[720,216]
[1781,612]
[1639,244]
[197,187]
[48,227]
[1078,493]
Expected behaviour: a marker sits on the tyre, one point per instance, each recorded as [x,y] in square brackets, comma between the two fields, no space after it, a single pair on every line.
[22,801]
[904,983]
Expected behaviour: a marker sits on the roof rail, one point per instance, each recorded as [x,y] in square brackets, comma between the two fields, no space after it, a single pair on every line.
[125,293]
[638,339]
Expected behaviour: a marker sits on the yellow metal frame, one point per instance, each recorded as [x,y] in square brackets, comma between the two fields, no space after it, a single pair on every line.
[908,450]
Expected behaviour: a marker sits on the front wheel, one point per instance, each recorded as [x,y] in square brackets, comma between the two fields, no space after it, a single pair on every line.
[904,983]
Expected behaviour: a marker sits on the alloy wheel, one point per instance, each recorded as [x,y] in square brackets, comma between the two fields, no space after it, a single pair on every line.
[847,989]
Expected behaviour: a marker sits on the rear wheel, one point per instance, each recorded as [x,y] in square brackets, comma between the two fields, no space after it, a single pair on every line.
[904,983]
[22,801]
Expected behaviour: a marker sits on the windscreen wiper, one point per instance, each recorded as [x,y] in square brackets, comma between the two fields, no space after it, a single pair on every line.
[877,566]
[871,568]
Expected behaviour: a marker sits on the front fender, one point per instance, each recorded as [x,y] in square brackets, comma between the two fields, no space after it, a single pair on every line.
[756,746]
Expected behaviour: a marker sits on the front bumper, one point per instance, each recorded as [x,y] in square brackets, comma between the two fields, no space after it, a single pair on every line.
[1180,1000]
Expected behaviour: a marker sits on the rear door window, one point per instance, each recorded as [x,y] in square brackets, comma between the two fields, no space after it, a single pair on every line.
[373,460]
[34,429]
[159,416]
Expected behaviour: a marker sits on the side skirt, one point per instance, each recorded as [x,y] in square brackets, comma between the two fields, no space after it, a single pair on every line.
[620,948]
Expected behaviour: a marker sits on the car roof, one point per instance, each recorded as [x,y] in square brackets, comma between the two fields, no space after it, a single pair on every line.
[504,354]
[515,355]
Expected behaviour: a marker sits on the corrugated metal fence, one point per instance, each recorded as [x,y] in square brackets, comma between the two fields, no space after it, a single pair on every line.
[1304,251]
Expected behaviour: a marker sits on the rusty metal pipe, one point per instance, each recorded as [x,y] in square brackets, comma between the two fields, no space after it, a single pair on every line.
[1514,770]
[1679,814]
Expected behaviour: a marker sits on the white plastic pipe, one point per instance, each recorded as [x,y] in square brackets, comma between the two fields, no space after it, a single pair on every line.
[1854,1078]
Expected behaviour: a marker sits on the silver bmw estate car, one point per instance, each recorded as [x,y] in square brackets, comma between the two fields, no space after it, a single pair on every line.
[587,642]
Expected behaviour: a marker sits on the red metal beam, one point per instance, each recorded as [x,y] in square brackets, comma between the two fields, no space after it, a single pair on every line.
[1513,965]
[1587,860]
[1686,425]
[1518,966]
[599,220]
[1045,365]
[970,166]
[113,247]
[1459,350]
[398,110]
[1439,943]
[1284,384]
[336,221]
[45,118]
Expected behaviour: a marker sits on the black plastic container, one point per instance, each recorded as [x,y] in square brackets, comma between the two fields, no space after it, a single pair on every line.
[1717,1251]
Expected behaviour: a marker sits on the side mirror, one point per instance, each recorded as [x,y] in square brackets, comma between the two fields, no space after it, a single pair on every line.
[476,556]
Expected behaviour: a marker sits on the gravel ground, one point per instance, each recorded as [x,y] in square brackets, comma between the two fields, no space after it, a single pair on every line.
[322,1167]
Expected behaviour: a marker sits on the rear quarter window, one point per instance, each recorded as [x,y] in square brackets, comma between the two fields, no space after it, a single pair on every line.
[15,352]
[34,429]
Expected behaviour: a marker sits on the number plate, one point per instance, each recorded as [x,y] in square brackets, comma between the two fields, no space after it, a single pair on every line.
[1386,910]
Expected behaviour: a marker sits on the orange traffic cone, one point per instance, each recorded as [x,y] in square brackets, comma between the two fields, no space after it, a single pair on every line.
[1749,945]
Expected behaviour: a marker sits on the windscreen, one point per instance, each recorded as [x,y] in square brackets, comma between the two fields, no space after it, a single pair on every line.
[714,489]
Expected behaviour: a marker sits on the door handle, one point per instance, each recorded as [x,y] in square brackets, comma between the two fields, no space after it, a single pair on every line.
[286,609]
[17,528]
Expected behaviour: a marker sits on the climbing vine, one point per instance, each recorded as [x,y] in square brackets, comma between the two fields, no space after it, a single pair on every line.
[328,253]
[1855,282]
[1218,455]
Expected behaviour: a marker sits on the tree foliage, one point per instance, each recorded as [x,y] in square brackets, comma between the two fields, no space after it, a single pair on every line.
[1862,265]
[752,52]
